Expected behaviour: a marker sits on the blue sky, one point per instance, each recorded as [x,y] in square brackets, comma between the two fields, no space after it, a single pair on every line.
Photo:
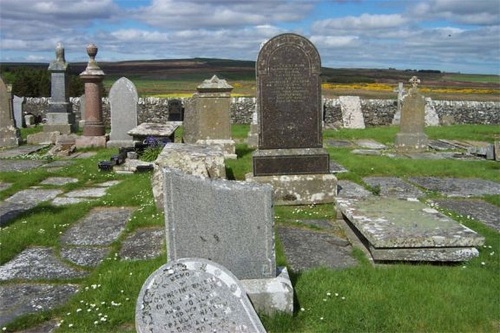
[448,35]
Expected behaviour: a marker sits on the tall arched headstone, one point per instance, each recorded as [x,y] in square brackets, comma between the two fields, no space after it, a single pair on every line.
[123,100]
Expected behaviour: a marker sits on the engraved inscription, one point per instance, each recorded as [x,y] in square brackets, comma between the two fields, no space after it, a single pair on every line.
[289,83]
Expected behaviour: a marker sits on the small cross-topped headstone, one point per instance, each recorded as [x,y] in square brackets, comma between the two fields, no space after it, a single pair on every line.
[411,135]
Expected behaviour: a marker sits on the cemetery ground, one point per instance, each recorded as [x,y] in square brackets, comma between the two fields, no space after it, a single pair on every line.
[397,297]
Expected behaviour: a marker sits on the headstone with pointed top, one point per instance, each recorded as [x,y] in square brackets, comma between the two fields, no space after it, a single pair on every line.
[207,118]
[123,105]
[411,136]
[60,116]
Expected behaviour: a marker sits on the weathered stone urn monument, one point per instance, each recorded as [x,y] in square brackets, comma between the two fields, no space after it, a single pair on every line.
[290,154]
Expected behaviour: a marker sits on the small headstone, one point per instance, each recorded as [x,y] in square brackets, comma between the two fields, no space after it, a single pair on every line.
[123,107]
[431,116]
[175,110]
[352,117]
[9,134]
[229,222]
[194,295]
[411,137]
[18,104]
[400,90]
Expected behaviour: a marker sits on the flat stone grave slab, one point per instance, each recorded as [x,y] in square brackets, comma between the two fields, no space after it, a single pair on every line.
[143,244]
[62,201]
[59,181]
[306,249]
[26,298]
[369,152]
[475,209]
[339,143]
[370,144]
[164,130]
[394,187]
[38,263]
[458,187]
[4,186]
[194,295]
[88,256]
[31,197]
[101,226]
[348,189]
[428,156]
[19,165]
[337,168]
[408,230]
[441,145]
[21,150]
[91,192]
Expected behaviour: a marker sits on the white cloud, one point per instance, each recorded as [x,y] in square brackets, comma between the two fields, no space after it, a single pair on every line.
[478,12]
[365,22]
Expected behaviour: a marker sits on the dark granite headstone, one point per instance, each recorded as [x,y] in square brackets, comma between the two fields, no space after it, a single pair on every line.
[289,106]
[194,295]
[175,110]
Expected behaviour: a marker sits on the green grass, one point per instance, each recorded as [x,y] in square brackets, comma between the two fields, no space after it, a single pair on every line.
[390,298]
[475,78]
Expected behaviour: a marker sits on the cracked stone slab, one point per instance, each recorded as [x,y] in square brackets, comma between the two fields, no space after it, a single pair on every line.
[101,226]
[348,189]
[19,165]
[408,230]
[59,181]
[89,256]
[306,249]
[143,244]
[458,187]
[370,144]
[92,192]
[21,150]
[394,187]
[475,209]
[38,263]
[32,197]
[27,298]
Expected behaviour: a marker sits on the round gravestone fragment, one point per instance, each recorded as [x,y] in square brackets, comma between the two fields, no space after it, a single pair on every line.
[194,295]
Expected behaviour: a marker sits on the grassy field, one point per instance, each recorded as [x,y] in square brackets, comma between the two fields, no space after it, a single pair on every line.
[390,298]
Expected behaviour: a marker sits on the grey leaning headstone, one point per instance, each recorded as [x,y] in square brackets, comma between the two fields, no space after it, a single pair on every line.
[18,105]
[9,134]
[230,222]
[123,100]
[194,295]
[411,136]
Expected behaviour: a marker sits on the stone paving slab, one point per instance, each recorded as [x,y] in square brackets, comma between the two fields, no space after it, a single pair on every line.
[88,256]
[101,226]
[21,150]
[394,187]
[31,197]
[62,201]
[9,211]
[476,209]
[4,186]
[59,181]
[458,187]
[143,244]
[441,145]
[19,165]
[404,230]
[38,263]
[21,299]
[348,189]
[339,143]
[337,168]
[91,192]
[307,249]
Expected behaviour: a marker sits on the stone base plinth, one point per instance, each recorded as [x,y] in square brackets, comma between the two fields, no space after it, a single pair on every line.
[9,137]
[91,141]
[296,161]
[228,146]
[270,296]
[43,138]
[299,189]
[408,230]
[411,142]
[120,143]
[60,122]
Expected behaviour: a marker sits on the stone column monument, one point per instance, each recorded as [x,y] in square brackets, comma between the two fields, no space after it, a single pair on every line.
[9,134]
[411,137]
[207,118]
[290,154]
[92,76]
[60,116]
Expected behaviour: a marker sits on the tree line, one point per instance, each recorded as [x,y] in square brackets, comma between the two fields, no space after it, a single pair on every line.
[35,82]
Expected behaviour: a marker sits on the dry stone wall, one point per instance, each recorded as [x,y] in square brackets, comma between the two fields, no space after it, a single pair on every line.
[376,112]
